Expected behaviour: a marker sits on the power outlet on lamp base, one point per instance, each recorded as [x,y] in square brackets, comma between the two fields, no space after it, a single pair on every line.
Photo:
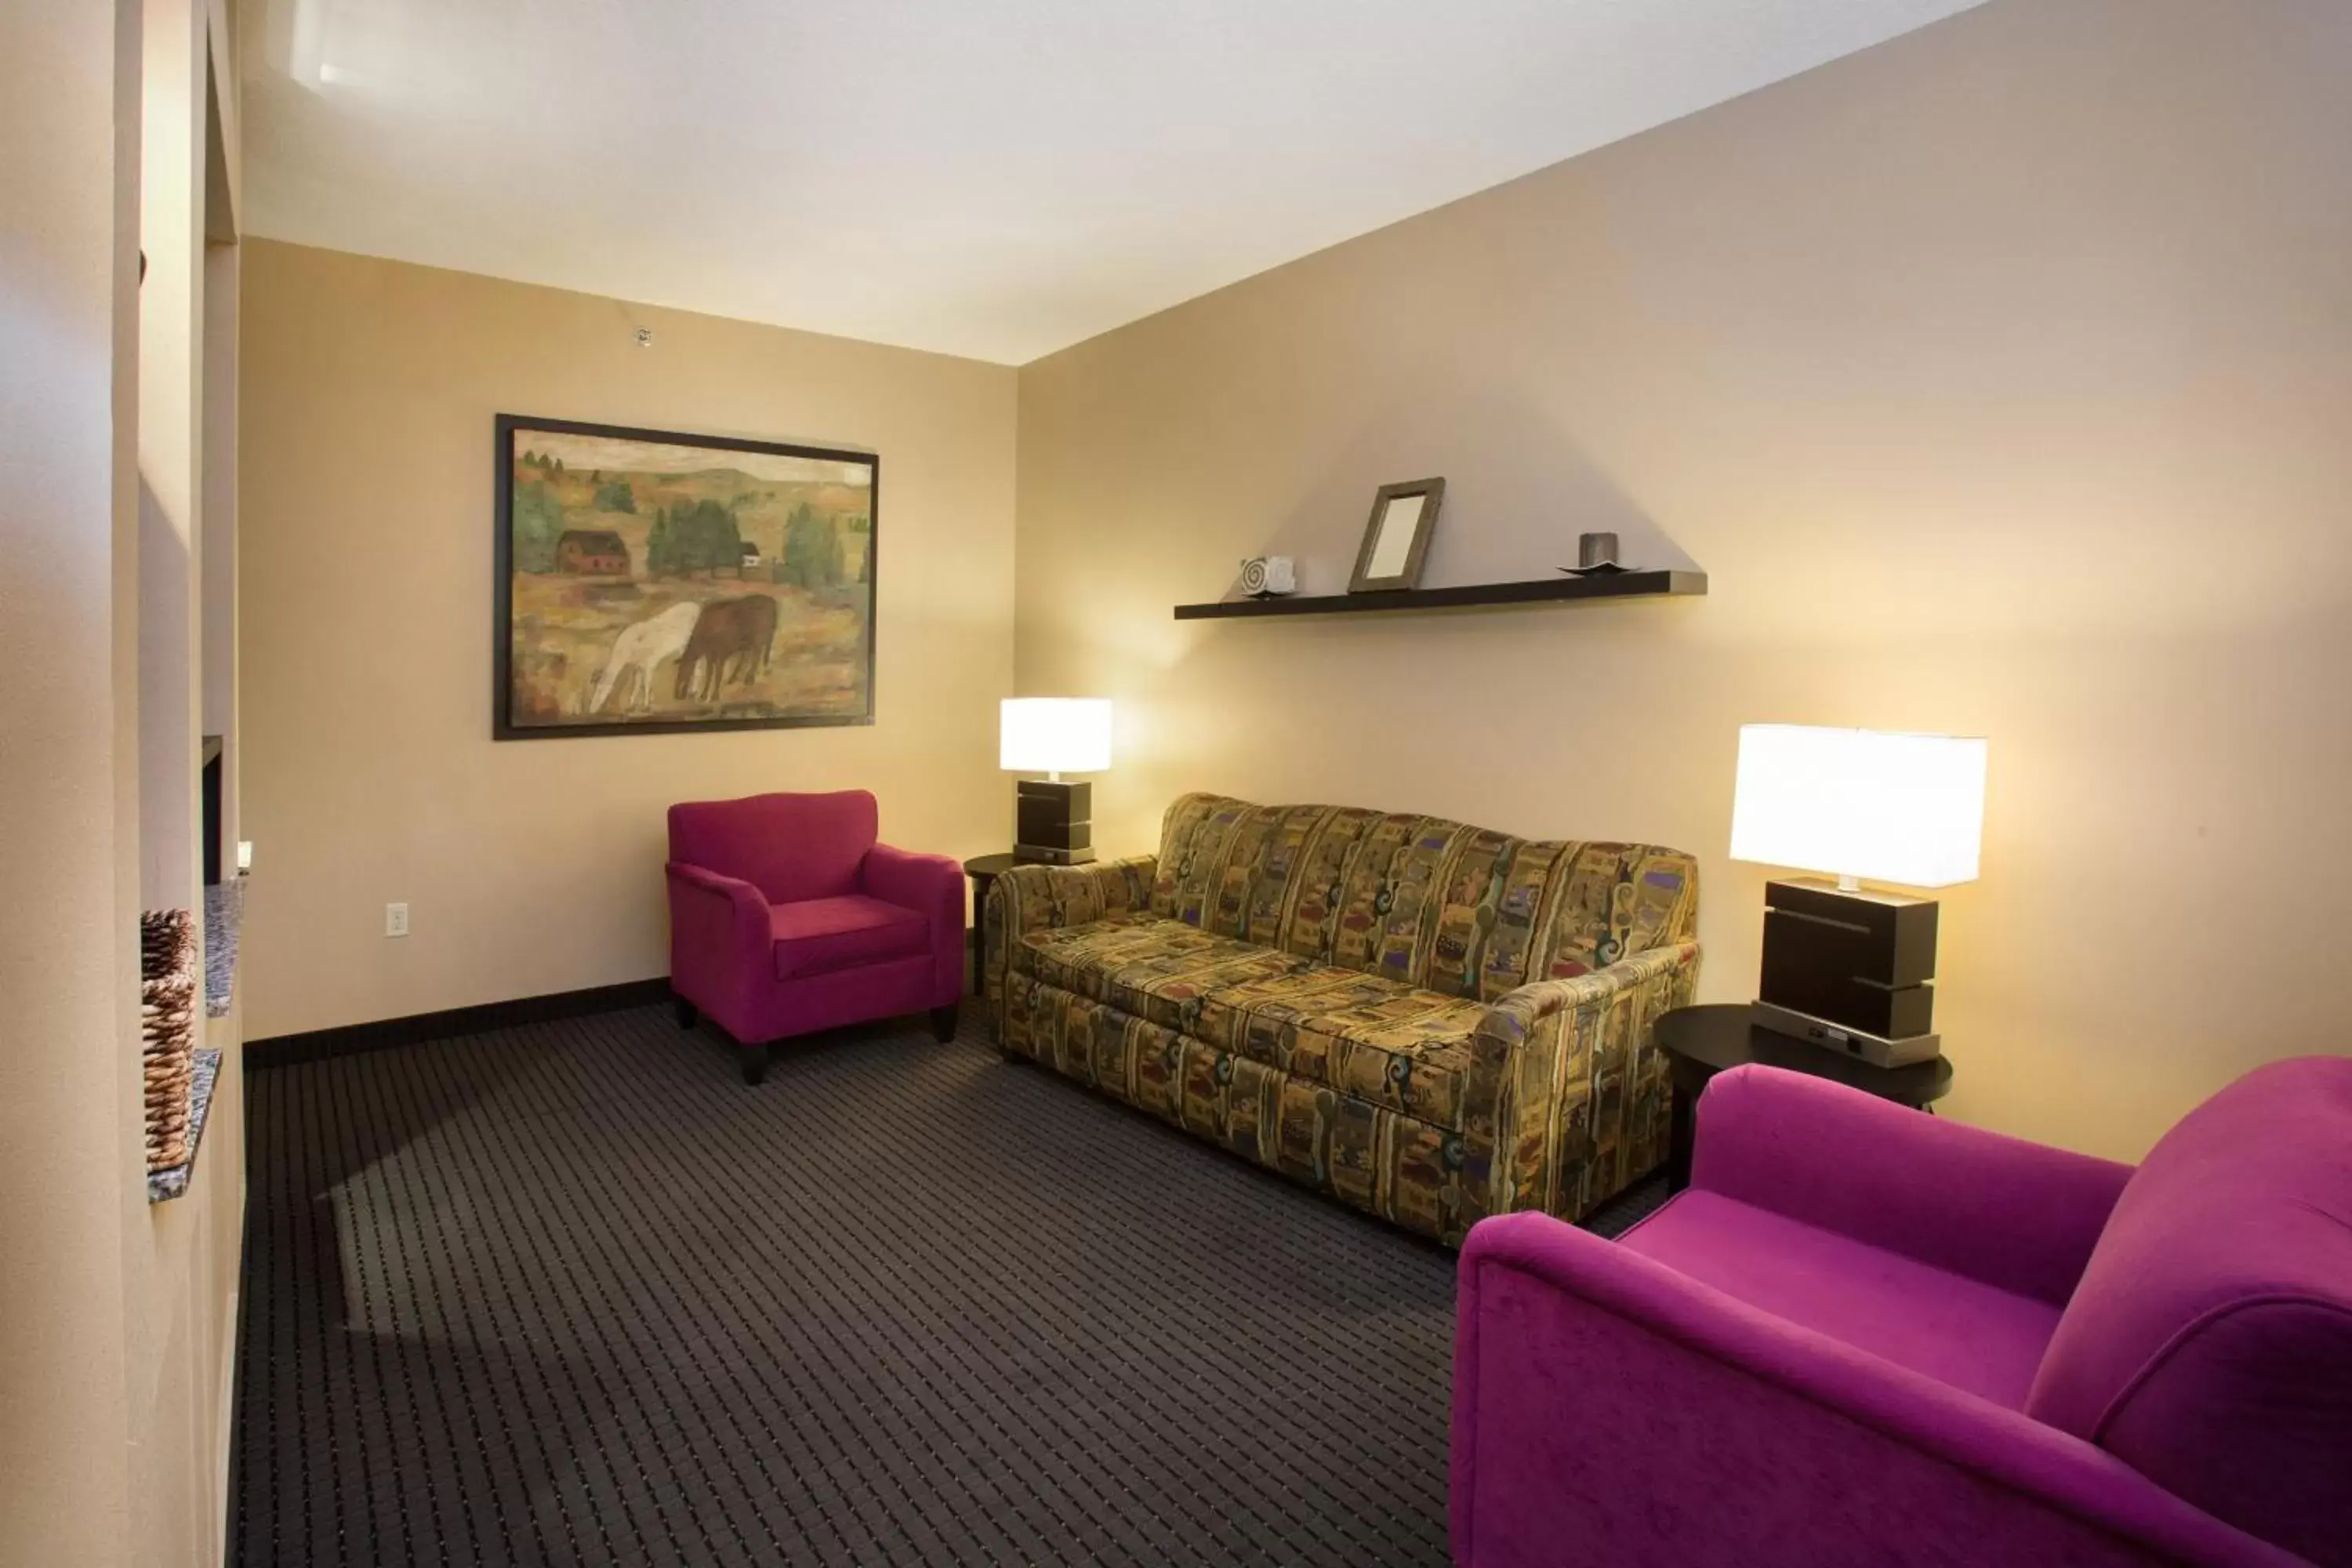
[395,919]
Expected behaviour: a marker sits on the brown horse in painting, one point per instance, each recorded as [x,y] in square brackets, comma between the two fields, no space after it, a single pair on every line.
[730,642]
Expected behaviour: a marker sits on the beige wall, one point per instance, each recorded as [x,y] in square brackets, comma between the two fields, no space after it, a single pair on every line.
[67,1052]
[116,1316]
[369,773]
[2000,378]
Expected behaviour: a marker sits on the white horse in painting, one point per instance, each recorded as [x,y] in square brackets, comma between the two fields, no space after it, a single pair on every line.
[637,651]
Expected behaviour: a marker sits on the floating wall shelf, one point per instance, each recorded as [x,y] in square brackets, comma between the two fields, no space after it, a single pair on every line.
[1544,591]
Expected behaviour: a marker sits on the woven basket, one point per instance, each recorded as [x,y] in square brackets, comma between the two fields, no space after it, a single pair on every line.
[168,998]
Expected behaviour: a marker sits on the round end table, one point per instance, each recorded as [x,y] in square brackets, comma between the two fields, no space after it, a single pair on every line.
[1703,1041]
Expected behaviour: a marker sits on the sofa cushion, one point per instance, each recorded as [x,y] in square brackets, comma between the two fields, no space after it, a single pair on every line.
[2210,1342]
[1421,900]
[1152,968]
[1267,874]
[819,936]
[1947,1326]
[1360,1035]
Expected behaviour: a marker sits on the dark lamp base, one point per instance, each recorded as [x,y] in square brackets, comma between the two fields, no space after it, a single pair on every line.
[1053,822]
[1850,969]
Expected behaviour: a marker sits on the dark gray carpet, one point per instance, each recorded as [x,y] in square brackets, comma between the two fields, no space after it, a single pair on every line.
[570,1293]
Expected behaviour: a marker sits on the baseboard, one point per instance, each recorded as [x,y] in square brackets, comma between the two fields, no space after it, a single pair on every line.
[285,1050]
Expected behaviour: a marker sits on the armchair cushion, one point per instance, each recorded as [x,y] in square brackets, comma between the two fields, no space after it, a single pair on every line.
[2013,1214]
[820,936]
[1955,1330]
[790,846]
[2210,1345]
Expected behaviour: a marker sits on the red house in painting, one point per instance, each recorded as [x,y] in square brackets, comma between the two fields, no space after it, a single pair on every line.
[592,552]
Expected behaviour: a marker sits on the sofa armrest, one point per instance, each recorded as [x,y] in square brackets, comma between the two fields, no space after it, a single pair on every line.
[1030,897]
[2014,1215]
[932,885]
[1608,1410]
[719,939]
[1570,1098]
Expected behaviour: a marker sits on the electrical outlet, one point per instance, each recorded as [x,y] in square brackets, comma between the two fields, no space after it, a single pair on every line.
[395,919]
[245,855]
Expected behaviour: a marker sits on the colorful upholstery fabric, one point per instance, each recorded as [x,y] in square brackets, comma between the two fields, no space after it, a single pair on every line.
[1372,1040]
[1431,903]
[1432,1021]
[1156,969]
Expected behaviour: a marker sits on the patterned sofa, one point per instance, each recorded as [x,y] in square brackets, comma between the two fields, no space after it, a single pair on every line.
[1431,1021]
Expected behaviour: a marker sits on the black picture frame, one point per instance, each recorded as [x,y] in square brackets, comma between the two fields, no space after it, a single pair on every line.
[1432,494]
[502,724]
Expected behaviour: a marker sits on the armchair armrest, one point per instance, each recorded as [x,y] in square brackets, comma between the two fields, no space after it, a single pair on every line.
[1569,1095]
[738,895]
[933,886]
[2011,1214]
[1038,898]
[1608,1410]
[719,937]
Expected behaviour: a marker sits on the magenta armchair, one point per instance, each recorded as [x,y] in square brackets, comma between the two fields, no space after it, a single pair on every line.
[1866,1336]
[786,917]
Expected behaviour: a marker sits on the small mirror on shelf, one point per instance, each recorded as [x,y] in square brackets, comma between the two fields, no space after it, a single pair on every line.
[1397,537]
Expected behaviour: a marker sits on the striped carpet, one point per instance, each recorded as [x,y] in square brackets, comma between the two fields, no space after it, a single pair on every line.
[570,1294]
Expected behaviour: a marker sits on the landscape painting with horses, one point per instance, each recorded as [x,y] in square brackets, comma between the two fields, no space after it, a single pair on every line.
[660,582]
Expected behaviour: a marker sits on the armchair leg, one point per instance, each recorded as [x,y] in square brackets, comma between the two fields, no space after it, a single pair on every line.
[943,1023]
[755,1065]
[686,1013]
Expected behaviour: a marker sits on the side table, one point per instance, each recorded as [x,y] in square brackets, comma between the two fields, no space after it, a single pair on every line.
[983,870]
[1703,1041]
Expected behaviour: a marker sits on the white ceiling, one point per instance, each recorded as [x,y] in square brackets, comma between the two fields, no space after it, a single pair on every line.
[996,178]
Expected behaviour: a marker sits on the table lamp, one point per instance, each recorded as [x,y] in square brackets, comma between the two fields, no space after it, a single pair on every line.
[1850,967]
[1053,819]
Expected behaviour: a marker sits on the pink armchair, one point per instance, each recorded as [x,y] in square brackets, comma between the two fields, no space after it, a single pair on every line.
[786,917]
[1864,1336]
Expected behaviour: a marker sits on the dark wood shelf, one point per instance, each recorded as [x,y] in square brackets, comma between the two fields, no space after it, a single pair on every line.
[1544,591]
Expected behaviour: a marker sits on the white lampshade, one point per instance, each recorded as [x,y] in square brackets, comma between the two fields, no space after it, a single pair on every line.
[1860,803]
[1054,735]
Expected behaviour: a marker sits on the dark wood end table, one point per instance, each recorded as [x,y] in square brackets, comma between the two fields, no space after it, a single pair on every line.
[1701,1042]
[983,870]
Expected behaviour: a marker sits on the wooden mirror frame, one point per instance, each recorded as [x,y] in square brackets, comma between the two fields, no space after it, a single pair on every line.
[1433,494]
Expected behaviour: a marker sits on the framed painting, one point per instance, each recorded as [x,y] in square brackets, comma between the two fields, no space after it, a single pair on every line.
[652,583]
